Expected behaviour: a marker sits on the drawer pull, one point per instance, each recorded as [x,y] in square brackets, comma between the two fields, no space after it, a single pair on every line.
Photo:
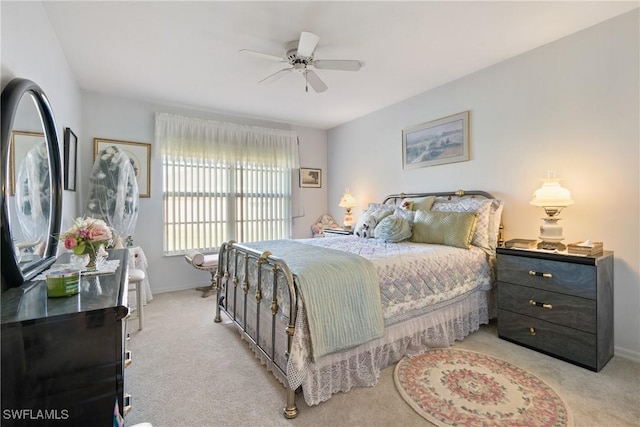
[539,274]
[532,331]
[540,304]
[126,405]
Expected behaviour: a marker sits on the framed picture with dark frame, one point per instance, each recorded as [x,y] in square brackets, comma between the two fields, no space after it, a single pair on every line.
[310,178]
[70,159]
[140,155]
[437,142]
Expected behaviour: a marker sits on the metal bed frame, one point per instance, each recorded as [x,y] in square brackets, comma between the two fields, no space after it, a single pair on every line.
[233,287]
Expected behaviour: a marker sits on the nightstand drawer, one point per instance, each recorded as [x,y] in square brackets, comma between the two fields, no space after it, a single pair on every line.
[565,277]
[575,346]
[565,310]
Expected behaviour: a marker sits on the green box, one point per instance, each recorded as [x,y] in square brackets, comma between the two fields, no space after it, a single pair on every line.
[63,283]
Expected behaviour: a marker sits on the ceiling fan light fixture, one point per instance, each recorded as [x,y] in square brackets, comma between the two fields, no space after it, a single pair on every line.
[300,55]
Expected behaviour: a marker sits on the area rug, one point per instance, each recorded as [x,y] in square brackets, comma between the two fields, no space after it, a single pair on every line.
[451,387]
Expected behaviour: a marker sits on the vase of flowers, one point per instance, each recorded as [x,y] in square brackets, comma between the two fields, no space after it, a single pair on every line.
[86,237]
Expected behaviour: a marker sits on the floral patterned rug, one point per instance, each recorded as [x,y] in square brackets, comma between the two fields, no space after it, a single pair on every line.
[451,387]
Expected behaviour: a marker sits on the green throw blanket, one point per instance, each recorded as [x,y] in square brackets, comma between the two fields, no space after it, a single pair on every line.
[341,294]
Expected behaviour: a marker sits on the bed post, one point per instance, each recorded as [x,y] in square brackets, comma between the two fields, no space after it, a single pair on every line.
[218,278]
[291,410]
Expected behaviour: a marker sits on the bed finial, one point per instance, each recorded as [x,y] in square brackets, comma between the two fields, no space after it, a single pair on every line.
[460,193]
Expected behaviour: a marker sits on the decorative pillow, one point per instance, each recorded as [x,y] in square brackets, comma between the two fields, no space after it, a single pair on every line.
[444,228]
[393,228]
[370,218]
[495,219]
[364,217]
[367,229]
[417,203]
[471,204]
[404,213]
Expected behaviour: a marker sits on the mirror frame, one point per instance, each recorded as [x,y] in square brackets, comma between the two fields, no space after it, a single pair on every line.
[12,94]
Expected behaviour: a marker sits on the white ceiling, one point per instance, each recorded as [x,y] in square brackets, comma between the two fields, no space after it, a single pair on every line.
[187,53]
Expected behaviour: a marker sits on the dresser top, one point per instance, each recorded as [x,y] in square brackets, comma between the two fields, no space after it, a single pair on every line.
[97,292]
[555,256]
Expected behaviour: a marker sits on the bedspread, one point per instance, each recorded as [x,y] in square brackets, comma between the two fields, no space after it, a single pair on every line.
[340,293]
[415,276]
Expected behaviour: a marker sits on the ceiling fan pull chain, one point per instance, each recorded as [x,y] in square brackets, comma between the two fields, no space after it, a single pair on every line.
[306,82]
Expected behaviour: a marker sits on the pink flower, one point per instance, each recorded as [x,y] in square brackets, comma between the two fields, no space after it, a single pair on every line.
[70,243]
[99,234]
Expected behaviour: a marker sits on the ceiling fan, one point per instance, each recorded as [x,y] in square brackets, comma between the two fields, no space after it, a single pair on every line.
[299,55]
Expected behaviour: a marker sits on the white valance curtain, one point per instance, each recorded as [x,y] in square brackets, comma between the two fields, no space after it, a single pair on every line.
[189,137]
[223,181]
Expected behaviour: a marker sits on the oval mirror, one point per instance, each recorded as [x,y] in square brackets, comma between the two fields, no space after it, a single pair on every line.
[31,182]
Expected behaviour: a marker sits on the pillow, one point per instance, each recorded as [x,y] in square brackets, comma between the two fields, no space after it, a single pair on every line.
[444,228]
[404,213]
[417,203]
[495,219]
[471,204]
[369,219]
[393,228]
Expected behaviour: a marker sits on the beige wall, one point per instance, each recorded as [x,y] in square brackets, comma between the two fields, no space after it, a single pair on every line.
[571,106]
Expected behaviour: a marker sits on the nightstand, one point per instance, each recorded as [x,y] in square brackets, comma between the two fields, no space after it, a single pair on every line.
[560,305]
[332,232]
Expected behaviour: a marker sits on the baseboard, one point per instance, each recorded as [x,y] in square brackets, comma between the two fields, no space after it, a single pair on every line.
[183,287]
[626,353]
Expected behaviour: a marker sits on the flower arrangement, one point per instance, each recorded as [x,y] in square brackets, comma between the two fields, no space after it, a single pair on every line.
[87,236]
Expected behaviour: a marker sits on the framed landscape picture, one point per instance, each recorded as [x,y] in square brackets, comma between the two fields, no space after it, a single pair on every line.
[437,142]
[140,155]
[311,178]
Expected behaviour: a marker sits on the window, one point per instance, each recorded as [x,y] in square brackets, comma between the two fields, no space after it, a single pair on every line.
[213,194]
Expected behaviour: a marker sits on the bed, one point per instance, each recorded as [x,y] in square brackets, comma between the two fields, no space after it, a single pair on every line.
[326,315]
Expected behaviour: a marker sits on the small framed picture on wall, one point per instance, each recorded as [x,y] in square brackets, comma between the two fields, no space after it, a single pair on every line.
[310,178]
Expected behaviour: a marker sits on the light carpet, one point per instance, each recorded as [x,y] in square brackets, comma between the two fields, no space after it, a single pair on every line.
[188,371]
[450,387]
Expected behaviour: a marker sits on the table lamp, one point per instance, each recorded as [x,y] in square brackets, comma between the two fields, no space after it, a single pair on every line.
[347,202]
[553,198]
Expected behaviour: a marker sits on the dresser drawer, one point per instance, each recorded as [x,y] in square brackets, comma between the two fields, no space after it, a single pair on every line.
[559,341]
[565,310]
[564,277]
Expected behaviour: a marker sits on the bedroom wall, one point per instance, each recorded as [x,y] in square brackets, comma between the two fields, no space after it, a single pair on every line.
[30,50]
[570,106]
[134,120]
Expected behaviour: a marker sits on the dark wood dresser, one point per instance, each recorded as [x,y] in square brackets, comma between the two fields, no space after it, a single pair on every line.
[63,359]
[560,305]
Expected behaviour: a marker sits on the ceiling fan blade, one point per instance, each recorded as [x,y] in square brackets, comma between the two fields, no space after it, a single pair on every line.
[337,64]
[307,43]
[275,76]
[263,55]
[315,82]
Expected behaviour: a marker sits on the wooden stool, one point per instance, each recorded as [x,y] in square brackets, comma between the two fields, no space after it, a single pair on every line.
[136,277]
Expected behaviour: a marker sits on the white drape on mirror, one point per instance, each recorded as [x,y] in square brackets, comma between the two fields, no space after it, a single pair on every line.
[224,181]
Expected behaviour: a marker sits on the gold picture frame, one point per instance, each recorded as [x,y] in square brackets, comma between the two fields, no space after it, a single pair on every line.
[19,145]
[140,155]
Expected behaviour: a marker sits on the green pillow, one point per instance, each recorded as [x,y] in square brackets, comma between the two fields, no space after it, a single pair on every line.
[444,228]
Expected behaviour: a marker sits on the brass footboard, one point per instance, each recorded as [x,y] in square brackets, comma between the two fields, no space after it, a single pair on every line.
[246,276]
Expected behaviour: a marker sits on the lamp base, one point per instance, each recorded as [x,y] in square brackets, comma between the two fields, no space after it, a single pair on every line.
[551,246]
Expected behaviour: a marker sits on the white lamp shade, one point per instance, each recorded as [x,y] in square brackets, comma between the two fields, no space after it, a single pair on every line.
[551,194]
[347,201]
